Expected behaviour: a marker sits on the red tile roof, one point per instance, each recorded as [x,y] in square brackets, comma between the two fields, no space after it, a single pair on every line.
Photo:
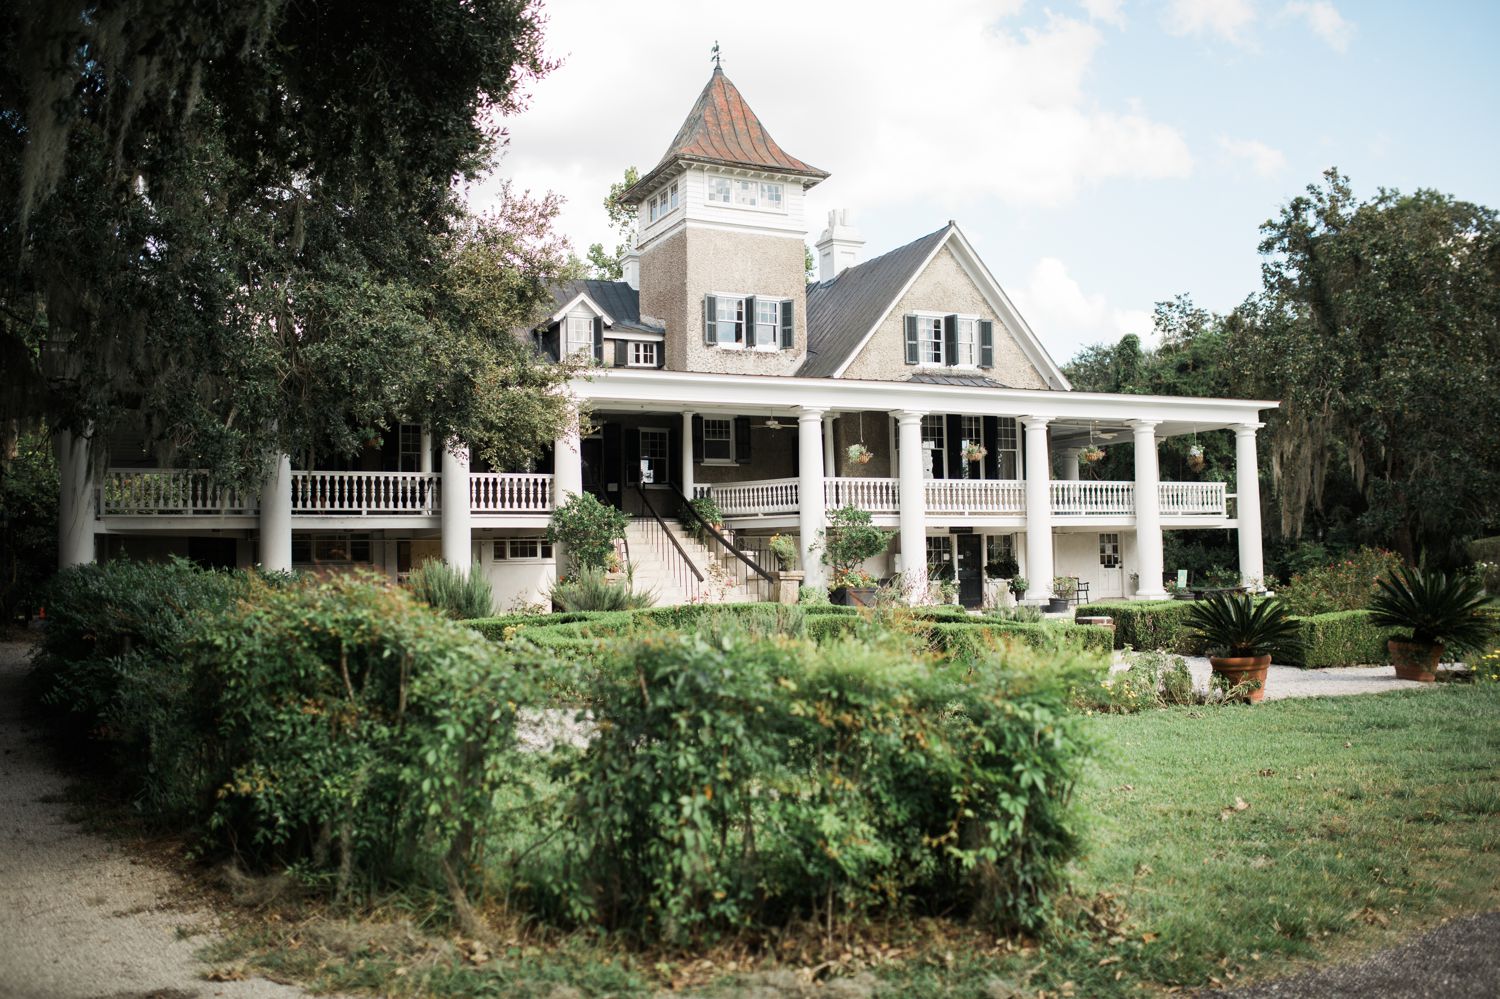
[721,129]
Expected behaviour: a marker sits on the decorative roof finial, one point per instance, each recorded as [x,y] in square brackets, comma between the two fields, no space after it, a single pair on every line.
[715,53]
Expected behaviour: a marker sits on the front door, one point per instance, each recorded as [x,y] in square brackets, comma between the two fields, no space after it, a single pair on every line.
[971,570]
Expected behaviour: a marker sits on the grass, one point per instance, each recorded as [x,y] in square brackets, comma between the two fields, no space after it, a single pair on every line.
[1364,819]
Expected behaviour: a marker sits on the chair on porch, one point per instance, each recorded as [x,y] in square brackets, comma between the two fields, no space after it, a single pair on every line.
[1081,591]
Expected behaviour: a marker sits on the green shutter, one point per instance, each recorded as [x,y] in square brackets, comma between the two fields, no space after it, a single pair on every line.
[599,339]
[788,329]
[986,344]
[950,340]
[748,328]
[710,320]
[913,349]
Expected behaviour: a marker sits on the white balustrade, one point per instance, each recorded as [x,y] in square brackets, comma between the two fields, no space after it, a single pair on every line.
[363,493]
[131,492]
[500,492]
[872,495]
[1087,498]
[976,496]
[1194,499]
[755,499]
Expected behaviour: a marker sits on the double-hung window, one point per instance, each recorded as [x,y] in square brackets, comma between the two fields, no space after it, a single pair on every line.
[968,342]
[718,441]
[410,457]
[642,354]
[747,193]
[972,432]
[939,554]
[768,323]
[930,339]
[660,205]
[654,453]
[934,450]
[719,190]
[580,335]
[730,320]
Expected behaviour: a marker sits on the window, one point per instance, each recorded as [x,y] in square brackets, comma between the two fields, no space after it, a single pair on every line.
[770,196]
[718,441]
[767,323]
[672,193]
[718,190]
[730,320]
[973,433]
[939,553]
[746,193]
[580,335]
[330,549]
[653,456]
[1008,456]
[1000,548]
[1109,551]
[934,454]
[968,342]
[409,458]
[517,549]
[661,204]
[930,339]
[642,355]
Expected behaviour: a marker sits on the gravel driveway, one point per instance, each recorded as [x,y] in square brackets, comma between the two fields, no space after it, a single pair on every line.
[79,915]
[1292,681]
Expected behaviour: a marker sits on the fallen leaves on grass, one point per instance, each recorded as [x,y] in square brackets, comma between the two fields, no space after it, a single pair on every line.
[1240,804]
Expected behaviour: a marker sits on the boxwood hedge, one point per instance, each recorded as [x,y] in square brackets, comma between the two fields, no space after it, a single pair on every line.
[1148,624]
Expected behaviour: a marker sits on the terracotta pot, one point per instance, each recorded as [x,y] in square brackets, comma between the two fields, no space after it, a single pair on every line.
[864,459]
[1242,669]
[1415,660]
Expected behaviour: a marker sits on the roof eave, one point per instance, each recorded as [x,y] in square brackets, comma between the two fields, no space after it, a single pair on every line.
[636,193]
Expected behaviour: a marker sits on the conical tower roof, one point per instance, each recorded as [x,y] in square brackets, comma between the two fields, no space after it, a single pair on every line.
[722,130]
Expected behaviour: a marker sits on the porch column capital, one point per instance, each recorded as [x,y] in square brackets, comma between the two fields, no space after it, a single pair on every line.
[1035,422]
[810,414]
[1247,429]
[1143,427]
[906,417]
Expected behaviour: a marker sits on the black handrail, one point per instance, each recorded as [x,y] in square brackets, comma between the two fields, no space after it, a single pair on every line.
[728,545]
[668,532]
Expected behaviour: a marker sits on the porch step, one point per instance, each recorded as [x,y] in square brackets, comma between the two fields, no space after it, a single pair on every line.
[658,570]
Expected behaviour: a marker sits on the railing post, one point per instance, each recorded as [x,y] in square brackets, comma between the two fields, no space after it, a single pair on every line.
[912,517]
[276,516]
[1247,501]
[457,540]
[811,514]
[1148,540]
[1038,509]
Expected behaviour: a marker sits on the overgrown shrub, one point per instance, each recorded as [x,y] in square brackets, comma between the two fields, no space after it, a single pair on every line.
[588,529]
[1150,680]
[1347,584]
[1148,624]
[587,589]
[736,784]
[459,595]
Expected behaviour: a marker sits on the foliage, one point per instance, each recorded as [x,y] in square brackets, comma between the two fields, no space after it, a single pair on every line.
[737,784]
[1236,625]
[1338,638]
[1433,608]
[1348,584]
[256,208]
[812,595]
[28,524]
[459,595]
[1152,679]
[1221,577]
[1148,624]
[588,529]
[1063,587]
[607,266]
[1020,613]
[858,454]
[978,639]
[1018,586]
[1487,667]
[589,590]
[849,540]
[708,509]
[1003,568]
[784,548]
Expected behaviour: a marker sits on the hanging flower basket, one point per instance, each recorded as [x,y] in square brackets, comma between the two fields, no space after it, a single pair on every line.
[1195,458]
[858,454]
[974,452]
[1091,454]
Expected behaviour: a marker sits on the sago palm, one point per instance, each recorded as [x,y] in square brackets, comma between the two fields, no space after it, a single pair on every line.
[1242,627]
[1435,607]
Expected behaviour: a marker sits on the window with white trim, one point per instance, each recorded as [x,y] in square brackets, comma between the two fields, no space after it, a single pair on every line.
[770,196]
[930,339]
[718,190]
[767,323]
[939,553]
[1109,551]
[579,336]
[968,342]
[661,205]
[999,548]
[521,549]
[641,354]
[730,319]
[934,450]
[1007,448]
[747,193]
[972,432]
[654,451]
[718,441]
[409,457]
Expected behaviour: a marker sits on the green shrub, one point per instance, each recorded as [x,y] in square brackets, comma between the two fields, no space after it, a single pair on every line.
[741,784]
[849,541]
[968,642]
[1347,584]
[587,589]
[1148,624]
[1338,638]
[1150,680]
[1485,549]
[459,595]
[588,529]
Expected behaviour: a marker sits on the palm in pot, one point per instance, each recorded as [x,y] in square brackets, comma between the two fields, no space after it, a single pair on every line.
[1242,635]
[1437,611]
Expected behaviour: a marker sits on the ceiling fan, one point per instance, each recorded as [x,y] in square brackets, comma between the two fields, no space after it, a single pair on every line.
[774,424]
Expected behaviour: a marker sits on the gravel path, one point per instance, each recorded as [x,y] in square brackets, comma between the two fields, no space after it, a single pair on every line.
[1292,681]
[79,916]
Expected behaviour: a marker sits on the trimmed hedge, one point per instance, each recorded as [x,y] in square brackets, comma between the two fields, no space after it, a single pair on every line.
[1339,638]
[964,642]
[1148,624]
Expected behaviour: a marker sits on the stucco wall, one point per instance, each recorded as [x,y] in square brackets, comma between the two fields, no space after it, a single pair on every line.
[942,287]
[678,271]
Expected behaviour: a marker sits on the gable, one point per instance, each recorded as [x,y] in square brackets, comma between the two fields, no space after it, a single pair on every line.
[946,286]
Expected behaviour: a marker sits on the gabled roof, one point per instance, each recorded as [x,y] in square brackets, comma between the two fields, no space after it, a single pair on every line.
[722,130]
[843,310]
[616,299]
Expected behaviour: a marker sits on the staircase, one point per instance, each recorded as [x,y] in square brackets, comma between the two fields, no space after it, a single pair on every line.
[659,567]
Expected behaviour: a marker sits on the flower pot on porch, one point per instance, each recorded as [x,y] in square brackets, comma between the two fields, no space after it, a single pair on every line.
[787,586]
[1244,669]
[1415,660]
[1057,605]
[854,596]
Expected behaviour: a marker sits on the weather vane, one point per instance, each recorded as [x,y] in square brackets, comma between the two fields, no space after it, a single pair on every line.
[715,53]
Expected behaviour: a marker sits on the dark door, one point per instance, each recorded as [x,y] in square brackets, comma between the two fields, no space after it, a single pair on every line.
[591,451]
[971,570]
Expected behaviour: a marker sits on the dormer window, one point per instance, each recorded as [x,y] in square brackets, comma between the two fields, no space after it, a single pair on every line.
[580,335]
[661,205]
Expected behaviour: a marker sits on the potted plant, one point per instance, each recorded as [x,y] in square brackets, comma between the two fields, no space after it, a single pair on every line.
[1241,636]
[1091,454]
[1063,588]
[788,583]
[784,550]
[858,454]
[1180,591]
[1437,611]
[1195,457]
[1018,587]
[943,579]
[849,540]
[974,452]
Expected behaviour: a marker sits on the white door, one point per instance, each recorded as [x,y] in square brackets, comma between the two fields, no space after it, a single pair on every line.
[1107,581]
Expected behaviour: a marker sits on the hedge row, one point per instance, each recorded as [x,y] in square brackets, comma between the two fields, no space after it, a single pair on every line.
[1148,624]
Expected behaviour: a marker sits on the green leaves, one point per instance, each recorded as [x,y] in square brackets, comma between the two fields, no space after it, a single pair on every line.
[1435,607]
[1240,625]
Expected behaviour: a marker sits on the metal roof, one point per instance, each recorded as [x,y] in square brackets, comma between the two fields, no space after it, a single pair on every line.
[622,302]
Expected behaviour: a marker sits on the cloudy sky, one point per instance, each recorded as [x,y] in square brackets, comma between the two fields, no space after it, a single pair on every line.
[1101,154]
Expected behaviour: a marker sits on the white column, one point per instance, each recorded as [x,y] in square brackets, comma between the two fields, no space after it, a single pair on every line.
[687,455]
[76,499]
[811,515]
[1070,464]
[1247,505]
[913,498]
[276,516]
[1038,509]
[567,462]
[458,542]
[426,465]
[830,460]
[1148,549]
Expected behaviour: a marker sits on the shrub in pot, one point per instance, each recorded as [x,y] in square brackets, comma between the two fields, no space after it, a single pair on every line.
[1063,588]
[1438,611]
[848,542]
[1018,586]
[1242,635]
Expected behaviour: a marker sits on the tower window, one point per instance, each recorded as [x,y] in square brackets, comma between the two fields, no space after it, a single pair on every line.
[718,190]
[662,204]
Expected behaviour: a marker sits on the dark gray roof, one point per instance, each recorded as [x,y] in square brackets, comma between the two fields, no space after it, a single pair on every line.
[622,302]
[969,381]
[841,311]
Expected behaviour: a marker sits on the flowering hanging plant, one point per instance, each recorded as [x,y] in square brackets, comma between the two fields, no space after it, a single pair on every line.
[974,452]
[858,454]
[1091,454]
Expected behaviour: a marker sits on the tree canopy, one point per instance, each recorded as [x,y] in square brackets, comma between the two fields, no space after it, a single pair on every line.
[246,222]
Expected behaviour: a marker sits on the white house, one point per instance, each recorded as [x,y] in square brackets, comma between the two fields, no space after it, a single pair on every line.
[722,372]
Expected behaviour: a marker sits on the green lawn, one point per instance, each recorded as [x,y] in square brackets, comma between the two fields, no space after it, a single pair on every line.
[1364,818]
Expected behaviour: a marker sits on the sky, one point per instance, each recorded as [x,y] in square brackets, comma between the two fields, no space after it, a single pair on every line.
[1101,155]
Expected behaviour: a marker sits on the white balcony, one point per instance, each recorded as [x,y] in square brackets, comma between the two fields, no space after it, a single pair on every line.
[362,494]
[129,492]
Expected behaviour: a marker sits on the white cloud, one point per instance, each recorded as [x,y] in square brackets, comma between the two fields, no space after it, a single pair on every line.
[1263,159]
[928,114]
[1226,19]
[1108,11]
[1067,318]
[1324,20]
